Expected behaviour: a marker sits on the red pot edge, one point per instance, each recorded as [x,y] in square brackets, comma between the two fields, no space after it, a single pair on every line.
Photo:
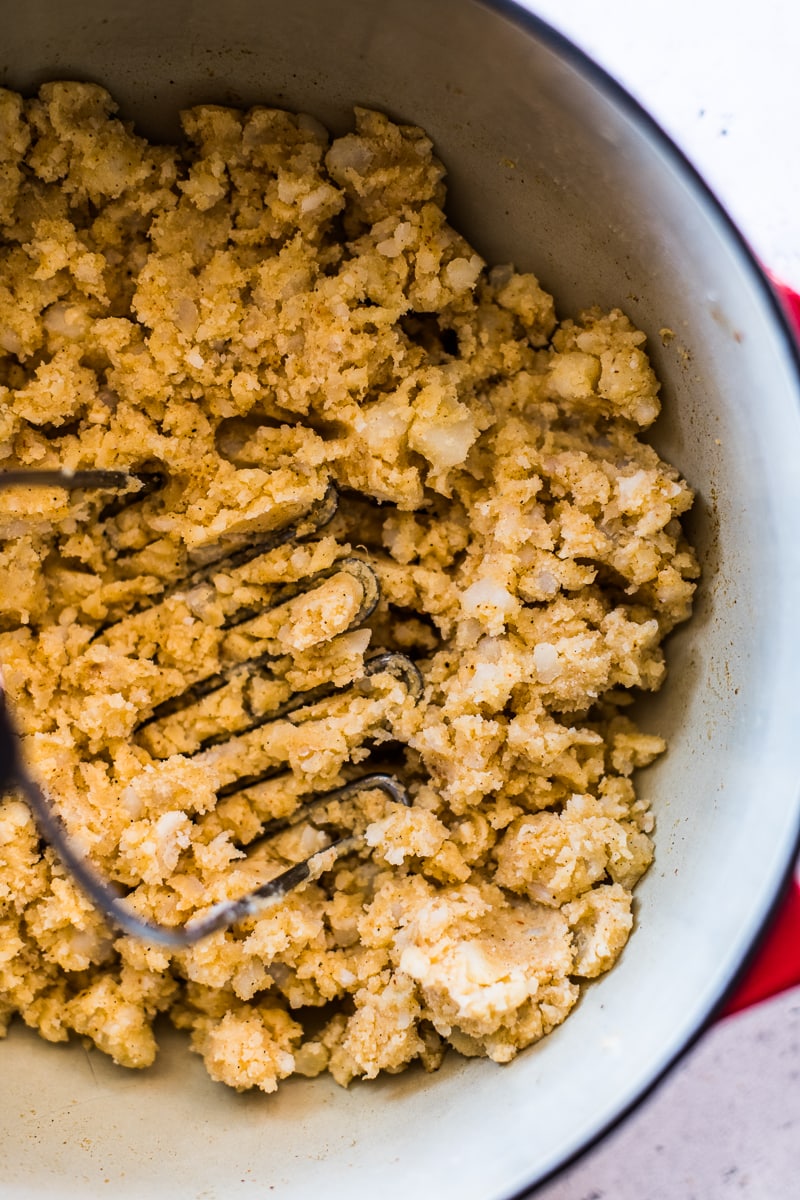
[776,966]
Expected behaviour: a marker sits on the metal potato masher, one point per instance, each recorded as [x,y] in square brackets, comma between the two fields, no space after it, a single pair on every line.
[164,728]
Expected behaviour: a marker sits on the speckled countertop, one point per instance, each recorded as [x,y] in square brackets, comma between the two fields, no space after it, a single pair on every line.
[723,78]
[725,1124]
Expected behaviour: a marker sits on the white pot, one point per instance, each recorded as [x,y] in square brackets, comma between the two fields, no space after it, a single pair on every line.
[553,166]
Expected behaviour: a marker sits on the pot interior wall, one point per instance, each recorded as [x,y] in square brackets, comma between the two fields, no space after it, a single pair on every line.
[548,168]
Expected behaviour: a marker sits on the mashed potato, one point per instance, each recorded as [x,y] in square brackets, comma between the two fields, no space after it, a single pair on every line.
[244,321]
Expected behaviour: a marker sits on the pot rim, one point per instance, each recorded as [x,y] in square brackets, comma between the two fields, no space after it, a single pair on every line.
[520,14]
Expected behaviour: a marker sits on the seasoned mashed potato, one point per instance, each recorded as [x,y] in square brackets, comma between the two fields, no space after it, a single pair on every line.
[254,315]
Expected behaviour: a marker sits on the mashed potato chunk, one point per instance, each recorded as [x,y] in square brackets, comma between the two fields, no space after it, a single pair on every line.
[244,323]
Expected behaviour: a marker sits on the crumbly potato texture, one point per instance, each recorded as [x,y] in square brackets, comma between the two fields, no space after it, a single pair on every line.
[239,323]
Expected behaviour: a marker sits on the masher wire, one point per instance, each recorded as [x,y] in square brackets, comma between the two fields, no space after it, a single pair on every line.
[15,774]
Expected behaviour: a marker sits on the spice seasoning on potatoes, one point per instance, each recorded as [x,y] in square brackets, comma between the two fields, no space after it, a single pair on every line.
[255,314]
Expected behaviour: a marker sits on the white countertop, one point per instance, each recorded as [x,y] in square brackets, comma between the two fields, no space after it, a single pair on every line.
[723,79]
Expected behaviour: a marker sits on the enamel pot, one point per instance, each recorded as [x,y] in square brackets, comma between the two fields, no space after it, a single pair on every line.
[552,166]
